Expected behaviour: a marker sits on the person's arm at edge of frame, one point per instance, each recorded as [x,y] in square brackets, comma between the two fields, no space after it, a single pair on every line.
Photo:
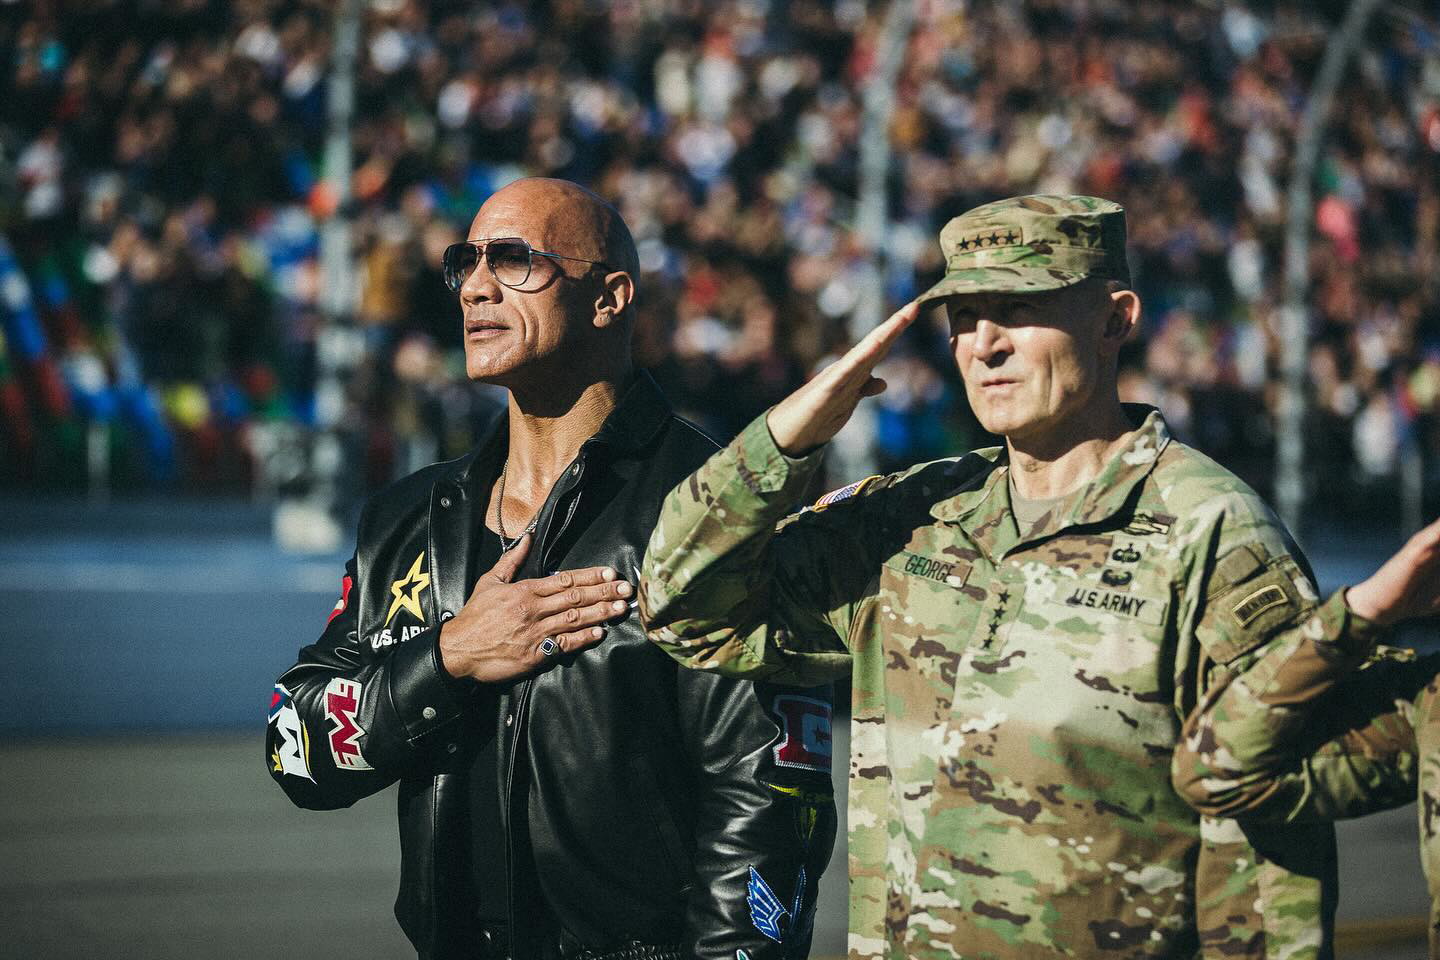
[1250,747]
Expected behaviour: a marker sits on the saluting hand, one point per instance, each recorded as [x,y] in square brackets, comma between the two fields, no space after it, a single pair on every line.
[811,416]
[497,635]
[1408,585]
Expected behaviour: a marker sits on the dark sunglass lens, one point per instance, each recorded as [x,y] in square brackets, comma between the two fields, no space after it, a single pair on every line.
[460,259]
[509,260]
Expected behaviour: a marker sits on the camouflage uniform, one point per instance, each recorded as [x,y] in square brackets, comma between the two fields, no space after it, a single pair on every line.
[1320,729]
[1015,699]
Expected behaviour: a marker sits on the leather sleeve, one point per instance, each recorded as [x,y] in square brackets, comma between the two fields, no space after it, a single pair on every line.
[764,814]
[342,728]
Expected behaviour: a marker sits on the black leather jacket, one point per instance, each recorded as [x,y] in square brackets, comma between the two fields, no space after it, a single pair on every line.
[642,803]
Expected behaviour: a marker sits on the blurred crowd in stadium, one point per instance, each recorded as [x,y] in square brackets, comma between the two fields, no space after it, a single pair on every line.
[161,199]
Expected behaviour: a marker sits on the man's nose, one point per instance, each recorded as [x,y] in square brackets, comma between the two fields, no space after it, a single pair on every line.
[480,286]
[990,340]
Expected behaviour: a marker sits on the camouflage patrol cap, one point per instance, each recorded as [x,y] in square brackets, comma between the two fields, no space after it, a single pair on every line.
[1032,243]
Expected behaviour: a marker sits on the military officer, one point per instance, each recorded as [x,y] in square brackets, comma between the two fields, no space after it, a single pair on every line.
[1026,626]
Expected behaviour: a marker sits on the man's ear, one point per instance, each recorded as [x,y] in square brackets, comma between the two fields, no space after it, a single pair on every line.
[617,292]
[1123,316]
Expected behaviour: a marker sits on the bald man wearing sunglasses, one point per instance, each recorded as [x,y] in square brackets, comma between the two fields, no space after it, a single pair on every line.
[559,796]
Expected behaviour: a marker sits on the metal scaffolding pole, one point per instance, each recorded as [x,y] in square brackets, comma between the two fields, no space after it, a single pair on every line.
[1295,314]
[872,209]
[314,525]
[853,452]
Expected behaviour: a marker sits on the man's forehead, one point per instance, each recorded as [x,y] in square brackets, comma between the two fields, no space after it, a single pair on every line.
[513,214]
[542,211]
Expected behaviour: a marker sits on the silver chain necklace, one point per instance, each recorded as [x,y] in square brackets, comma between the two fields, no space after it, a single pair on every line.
[506,544]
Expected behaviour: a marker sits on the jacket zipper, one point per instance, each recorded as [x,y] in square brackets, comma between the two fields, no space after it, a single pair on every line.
[522,698]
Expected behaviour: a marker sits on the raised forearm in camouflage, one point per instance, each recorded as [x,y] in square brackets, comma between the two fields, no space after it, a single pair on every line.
[1275,739]
[714,590]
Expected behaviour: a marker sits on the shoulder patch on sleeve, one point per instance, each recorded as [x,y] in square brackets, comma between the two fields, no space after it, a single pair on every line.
[1251,611]
[847,492]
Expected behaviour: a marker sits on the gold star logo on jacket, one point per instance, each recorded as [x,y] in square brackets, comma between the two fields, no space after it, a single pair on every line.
[407,589]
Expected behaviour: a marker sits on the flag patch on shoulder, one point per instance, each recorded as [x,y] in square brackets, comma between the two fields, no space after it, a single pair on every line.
[844,493]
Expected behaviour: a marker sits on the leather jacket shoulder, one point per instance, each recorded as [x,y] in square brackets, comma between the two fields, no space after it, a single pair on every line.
[642,804]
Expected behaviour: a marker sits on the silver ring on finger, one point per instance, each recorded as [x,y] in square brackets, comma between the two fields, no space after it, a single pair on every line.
[549,647]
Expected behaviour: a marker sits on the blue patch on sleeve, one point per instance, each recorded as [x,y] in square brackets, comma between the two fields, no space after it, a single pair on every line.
[765,909]
[767,913]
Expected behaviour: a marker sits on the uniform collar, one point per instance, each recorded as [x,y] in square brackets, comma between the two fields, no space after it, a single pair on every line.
[985,499]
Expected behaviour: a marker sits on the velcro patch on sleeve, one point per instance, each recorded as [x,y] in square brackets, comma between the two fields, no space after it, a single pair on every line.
[1251,612]
[847,492]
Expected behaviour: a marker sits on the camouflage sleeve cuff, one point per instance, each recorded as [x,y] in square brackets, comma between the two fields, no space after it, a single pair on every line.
[766,469]
[1343,630]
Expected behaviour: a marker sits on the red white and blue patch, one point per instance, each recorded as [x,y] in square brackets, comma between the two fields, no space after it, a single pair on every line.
[342,702]
[805,741]
[847,492]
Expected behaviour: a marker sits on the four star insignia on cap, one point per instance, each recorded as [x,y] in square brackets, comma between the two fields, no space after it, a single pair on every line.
[994,238]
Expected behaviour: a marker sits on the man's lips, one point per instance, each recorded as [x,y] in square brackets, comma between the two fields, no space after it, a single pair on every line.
[484,329]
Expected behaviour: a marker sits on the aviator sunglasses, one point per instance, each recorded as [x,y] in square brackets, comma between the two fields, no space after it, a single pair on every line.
[508,259]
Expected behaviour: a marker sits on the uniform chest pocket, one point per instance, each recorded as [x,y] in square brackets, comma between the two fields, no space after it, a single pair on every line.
[1111,641]
[925,611]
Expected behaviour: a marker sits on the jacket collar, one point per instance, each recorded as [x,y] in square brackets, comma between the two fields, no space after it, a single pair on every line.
[638,416]
[457,498]
[985,501]
[636,419]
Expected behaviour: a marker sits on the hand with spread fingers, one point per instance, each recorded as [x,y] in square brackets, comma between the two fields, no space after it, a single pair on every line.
[507,630]
[1408,585]
[811,416]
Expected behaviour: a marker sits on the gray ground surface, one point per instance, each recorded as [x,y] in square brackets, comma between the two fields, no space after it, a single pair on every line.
[136,819]
[174,847]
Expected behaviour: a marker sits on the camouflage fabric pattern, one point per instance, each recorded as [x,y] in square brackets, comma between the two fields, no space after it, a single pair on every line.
[1015,702]
[1320,730]
[1027,244]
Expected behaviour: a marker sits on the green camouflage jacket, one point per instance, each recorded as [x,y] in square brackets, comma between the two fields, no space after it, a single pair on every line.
[1016,701]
